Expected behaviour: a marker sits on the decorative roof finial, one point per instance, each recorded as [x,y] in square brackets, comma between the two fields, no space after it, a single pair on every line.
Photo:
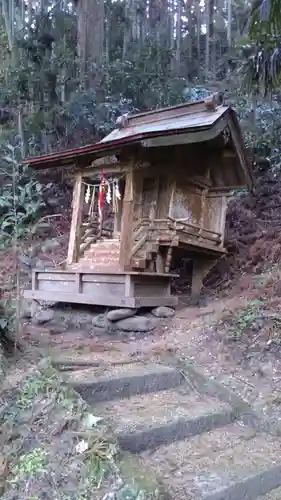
[213,101]
[122,121]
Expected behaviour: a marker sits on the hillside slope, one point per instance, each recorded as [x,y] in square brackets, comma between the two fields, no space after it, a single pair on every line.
[253,232]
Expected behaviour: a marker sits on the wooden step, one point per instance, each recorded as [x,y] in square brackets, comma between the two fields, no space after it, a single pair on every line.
[102,256]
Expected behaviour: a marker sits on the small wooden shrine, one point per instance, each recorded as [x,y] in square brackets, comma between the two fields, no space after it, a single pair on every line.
[155,188]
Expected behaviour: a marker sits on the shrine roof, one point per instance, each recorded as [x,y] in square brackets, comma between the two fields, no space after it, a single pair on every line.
[132,129]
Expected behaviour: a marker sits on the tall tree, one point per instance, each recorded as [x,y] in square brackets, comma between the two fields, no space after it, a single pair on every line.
[90,40]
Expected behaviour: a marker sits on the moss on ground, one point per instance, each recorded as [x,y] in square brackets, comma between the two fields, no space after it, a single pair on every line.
[53,447]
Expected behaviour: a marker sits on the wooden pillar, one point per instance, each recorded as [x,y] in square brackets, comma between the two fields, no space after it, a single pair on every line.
[201,267]
[117,220]
[75,229]
[127,222]
[203,210]
[154,204]
[222,219]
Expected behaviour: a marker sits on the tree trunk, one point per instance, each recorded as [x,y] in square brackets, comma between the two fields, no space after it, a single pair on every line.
[207,48]
[127,29]
[90,40]
[198,30]
[212,41]
[229,21]
[178,39]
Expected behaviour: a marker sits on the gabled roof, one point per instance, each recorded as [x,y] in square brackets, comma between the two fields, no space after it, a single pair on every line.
[185,118]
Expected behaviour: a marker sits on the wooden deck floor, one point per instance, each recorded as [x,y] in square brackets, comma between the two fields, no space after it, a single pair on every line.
[121,289]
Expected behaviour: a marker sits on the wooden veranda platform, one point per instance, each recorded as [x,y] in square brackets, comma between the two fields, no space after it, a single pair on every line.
[130,289]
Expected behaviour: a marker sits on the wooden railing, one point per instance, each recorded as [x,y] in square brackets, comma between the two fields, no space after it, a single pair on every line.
[198,231]
[161,229]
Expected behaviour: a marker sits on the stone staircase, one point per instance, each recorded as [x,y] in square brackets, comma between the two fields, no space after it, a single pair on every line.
[199,446]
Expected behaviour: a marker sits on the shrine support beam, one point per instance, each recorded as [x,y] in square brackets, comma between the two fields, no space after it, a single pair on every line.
[75,230]
[127,221]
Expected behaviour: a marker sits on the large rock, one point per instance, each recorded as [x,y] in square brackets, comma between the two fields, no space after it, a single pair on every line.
[100,321]
[103,324]
[43,316]
[163,312]
[136,324]
[118,314]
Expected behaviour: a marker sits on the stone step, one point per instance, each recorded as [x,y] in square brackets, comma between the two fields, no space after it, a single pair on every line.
[104,384]
[230,463]
[73,361]
[146,421]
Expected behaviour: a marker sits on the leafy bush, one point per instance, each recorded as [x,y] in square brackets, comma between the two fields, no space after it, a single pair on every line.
[20,199]
[7,328]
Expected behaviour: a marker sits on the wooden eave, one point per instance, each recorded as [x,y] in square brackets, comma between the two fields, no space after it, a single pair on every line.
[185,124]
[240,150]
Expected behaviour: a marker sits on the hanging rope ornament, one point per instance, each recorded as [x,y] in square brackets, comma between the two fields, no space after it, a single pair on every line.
[108,193]
[100,195]
[117,192]
[106,188]
[88,194]
[100,200]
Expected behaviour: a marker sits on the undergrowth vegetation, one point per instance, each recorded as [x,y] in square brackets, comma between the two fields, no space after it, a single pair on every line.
[253,330]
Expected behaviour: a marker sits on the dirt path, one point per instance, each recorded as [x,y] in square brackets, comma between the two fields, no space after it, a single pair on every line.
[197,335]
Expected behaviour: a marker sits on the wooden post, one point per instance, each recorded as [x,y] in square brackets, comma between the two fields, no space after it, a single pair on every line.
[75,230]
[117,220]
[203,210]
[127,222]
[160,263]
[172,194]
[222,219]
[34,284]
[201,267]
[154,204]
